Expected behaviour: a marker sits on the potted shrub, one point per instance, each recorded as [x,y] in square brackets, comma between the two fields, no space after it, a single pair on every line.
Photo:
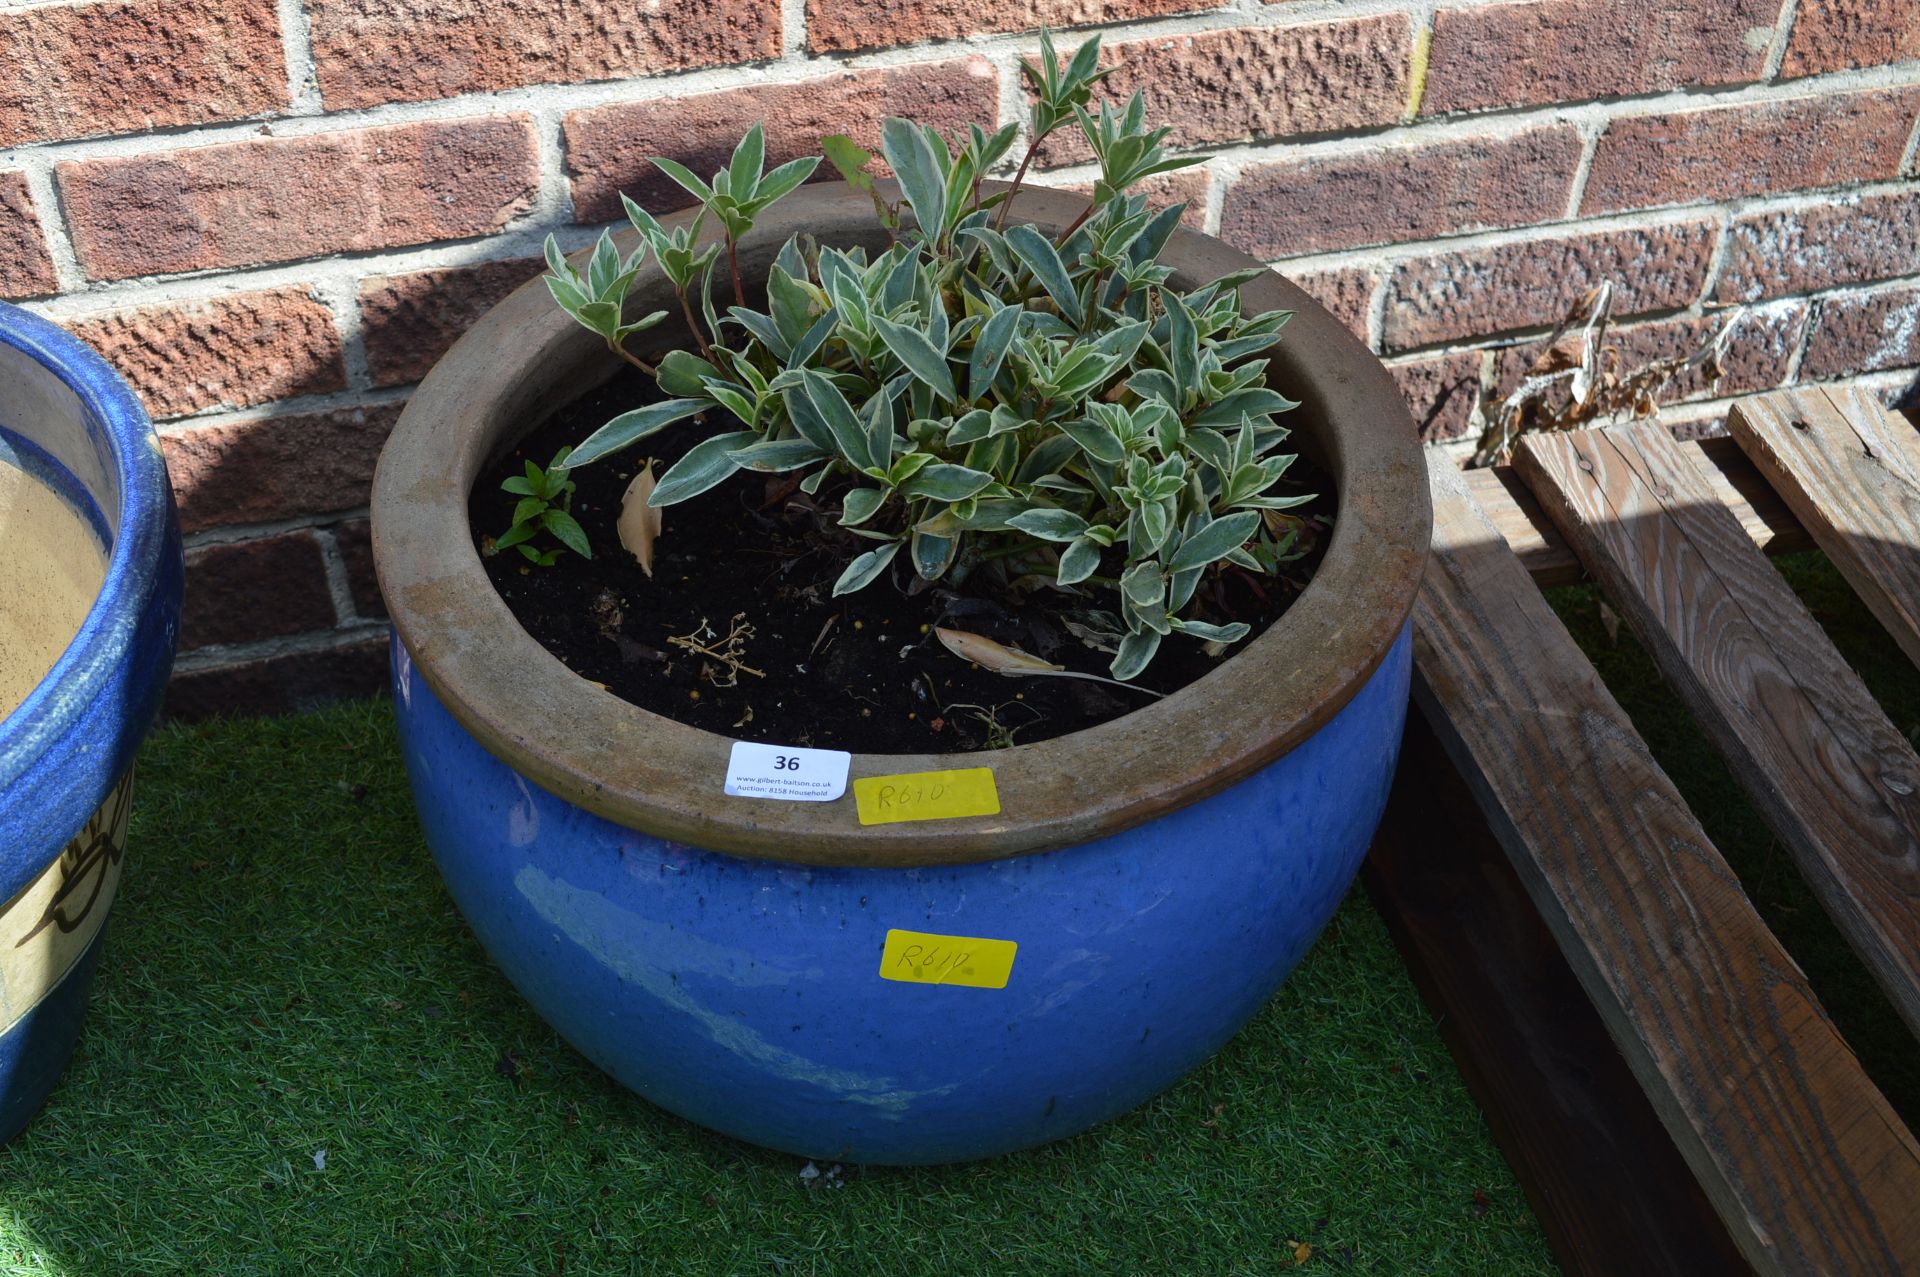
[1008,413]
[90,580]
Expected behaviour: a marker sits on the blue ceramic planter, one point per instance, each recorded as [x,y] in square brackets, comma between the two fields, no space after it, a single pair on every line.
[66,751]
[745,994]
[897,992]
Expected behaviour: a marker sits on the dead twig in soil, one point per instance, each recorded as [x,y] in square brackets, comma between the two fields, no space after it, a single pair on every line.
[822,636]
[999,735]
[728,651]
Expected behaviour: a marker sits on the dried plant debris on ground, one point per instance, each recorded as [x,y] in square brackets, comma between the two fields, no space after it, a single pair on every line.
[1578,380]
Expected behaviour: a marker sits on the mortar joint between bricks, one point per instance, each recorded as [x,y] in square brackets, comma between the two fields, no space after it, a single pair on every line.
[1717,259]
[341,296]
[290,406]
[1377,313]
[338,586]
[1519,335]
[296,42]
[298,405]
[520,238]
[553,197]
[48,204]
[793,30]
[1808,322]
[1723,212]
[1229,17]
[241,533]
[216,656]
[1013,107]
[1910,158]
[1220,175]
[1390,256]
[1782,33]
[1681,99]
[1590,135]
[1420,57]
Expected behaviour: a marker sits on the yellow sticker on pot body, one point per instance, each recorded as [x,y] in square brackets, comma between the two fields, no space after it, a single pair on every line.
[919,957]
[887,800]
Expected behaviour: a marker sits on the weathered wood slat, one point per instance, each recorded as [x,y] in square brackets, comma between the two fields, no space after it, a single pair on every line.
[1565,1109]
[1804,1160]
[1544,553]
[1850,471]
[1830,774]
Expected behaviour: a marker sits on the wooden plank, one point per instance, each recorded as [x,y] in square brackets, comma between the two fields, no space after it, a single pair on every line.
[1610,1189]
[1850,471]
[1803,1159]
[1832,776]
[1544,553]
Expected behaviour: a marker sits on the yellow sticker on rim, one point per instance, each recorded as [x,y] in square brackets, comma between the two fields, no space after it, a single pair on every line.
[918,957]
[888,800]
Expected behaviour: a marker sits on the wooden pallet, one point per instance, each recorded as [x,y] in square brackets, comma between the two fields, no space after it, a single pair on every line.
[1652,1061]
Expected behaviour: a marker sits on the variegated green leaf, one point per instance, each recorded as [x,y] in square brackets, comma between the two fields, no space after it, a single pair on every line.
[1136,650]
[866,569]
[706,464]
[630,428]
[913,349]
[1050,525]
[1078,562]
[1037,251]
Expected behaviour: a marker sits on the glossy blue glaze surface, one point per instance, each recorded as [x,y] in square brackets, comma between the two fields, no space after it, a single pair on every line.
[65,746]
[67,416]
[35,1051]
[744,994]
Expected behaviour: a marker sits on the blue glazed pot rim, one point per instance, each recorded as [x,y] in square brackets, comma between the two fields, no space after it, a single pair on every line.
[106,636]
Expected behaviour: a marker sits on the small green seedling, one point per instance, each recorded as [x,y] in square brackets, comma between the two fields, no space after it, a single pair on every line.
[546,504]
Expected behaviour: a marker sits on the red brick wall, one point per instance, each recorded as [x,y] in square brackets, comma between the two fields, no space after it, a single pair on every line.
[273,215]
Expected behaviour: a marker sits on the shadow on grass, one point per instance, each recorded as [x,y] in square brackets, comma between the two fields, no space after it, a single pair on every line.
[1765,867]
[285,976]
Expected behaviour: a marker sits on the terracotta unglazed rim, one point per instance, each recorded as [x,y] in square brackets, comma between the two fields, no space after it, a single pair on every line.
[650,773]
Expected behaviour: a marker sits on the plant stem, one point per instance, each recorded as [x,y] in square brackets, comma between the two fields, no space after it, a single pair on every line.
[1078,222]
[693,326]
[634,359]
[1033,148]
[733,265]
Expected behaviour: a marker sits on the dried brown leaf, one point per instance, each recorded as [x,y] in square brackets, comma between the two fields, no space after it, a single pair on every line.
[1013,662]
[640,524]
[989,655]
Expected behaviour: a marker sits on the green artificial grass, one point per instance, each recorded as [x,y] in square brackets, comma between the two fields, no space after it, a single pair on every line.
[285,975]
[1761,861]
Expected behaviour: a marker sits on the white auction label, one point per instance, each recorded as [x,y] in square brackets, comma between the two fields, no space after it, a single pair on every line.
[787,772]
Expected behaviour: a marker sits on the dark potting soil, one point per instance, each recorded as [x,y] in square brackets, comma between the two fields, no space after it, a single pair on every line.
[748,569]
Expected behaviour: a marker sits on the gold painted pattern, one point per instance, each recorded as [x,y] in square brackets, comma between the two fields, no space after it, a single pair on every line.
[45,928]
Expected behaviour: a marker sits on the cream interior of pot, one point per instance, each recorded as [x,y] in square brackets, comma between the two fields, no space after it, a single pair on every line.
[52,565]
